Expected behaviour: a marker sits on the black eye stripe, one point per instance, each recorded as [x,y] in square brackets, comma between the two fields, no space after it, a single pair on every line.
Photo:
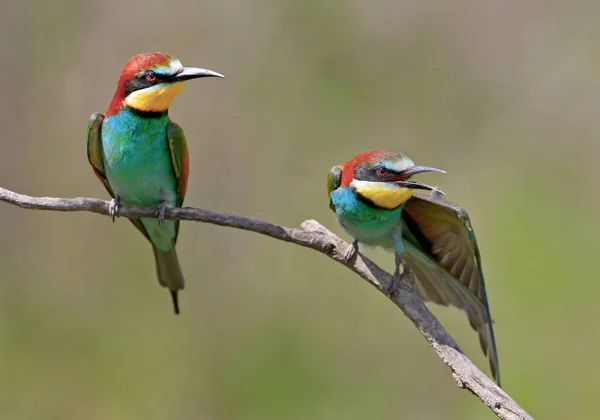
[158,76]
[387,170]
[140,82]
[363,173]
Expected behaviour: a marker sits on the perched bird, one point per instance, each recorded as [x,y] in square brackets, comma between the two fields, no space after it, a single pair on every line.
[377,205]
[141,156]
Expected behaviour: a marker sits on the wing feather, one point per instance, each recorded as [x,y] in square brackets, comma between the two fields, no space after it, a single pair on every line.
[444,251]
[334,180]
[180,159]
[94,149]
[181,162]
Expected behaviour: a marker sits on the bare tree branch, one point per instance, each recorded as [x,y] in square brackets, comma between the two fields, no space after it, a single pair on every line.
[315,236]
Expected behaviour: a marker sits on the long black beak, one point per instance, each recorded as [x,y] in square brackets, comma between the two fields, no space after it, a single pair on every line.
[188,73]
[417,185]
[419,169]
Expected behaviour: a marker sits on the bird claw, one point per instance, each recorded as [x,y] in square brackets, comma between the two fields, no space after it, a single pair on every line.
[351,251]
[160,212]
[393,286]
[113,208]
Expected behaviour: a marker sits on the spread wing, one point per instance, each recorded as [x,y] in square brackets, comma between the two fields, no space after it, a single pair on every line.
[334,180]
[181,161]
[96,159]
[445,257]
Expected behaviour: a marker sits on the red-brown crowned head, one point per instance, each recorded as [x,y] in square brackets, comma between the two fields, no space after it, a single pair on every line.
[150,81]
[382,166]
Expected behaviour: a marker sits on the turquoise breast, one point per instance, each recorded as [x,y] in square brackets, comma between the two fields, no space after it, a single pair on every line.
[137,158]
[139,168]
[367,224]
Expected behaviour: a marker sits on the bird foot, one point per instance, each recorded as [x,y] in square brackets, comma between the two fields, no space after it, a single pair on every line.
[393,286]
[113,208]
[351,251]
[160,212]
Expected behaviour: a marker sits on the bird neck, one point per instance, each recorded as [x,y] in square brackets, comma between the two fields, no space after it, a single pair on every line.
[384,195]
[156,99]
[129,120]
[118,100]
[358,214]
[133,116]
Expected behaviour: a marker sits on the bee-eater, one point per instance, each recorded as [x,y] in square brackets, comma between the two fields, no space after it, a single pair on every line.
[141,156]
[377,205]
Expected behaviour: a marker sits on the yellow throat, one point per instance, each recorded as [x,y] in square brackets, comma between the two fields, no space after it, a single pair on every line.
[385,195]
[154,99]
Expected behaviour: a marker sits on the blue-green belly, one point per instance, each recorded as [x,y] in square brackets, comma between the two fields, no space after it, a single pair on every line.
[139,167]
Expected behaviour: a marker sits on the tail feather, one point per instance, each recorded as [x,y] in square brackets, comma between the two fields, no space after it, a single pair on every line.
[169,273]
[175,300]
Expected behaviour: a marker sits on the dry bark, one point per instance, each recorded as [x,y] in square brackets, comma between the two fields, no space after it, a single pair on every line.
[314,235]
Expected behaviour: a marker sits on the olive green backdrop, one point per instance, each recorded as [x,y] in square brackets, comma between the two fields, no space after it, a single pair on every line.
[505,96]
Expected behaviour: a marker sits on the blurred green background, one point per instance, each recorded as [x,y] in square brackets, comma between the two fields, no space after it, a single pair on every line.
[502,95]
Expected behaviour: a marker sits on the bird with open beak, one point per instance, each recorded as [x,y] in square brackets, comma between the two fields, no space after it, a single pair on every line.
[378,205]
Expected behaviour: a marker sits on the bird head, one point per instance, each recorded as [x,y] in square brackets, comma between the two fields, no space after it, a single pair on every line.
[382,177]
[149,82]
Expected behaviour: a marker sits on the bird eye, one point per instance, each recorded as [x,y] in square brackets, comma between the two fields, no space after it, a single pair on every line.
[151,76]
[382,171]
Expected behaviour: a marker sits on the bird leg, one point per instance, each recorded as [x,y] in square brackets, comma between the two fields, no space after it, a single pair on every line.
[160,211]
[113,208]
[396,277]
[351,251]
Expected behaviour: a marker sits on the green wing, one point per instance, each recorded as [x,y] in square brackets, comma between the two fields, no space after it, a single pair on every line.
[334,180]
[181,162]
[96,159]
[443,249]
[180,159]
[94,149]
